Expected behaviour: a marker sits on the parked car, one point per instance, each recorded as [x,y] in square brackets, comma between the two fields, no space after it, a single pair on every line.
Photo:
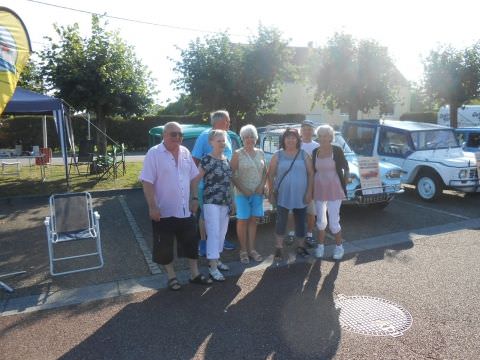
[430,156]
[390,174]
[469,138]
[190,134]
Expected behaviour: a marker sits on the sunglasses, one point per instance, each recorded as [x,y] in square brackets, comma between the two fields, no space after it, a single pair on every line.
[175,134]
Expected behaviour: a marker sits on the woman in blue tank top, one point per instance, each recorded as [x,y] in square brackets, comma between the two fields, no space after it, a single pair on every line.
[290,175]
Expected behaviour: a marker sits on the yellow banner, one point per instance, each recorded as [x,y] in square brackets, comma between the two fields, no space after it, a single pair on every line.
[14,53]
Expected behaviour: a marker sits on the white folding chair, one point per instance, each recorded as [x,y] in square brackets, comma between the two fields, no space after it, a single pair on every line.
[72,219]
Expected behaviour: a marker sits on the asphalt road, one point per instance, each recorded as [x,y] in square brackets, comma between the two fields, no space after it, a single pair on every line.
[277,313]
[289,311]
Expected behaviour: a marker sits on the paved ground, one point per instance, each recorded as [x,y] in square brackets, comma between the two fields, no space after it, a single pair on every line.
[285,312]
[421,256]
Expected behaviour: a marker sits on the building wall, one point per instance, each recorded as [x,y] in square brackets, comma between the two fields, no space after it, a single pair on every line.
[298,98]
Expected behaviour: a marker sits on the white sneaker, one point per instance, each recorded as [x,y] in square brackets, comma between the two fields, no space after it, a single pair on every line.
[320,251]
[216,274]
[221,266]
[338,252]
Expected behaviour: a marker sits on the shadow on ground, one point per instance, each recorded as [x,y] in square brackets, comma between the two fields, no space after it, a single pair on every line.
[288,314]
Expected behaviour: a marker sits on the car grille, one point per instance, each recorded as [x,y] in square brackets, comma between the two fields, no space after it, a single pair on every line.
[372,199]
[473,174]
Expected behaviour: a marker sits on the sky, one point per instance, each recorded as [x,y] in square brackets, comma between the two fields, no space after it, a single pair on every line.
[410,29]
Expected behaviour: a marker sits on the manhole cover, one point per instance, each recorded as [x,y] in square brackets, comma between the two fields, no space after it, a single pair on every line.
[368,315]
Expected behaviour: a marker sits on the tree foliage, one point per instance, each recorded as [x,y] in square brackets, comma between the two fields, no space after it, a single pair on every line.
[356,75]
[243,78]
[31,77]
[99,73]
[452,76]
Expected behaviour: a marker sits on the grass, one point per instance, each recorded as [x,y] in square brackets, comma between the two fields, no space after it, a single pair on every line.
[29,181]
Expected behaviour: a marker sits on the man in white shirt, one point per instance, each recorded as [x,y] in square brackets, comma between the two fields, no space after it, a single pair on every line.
[170,179]
[308,145]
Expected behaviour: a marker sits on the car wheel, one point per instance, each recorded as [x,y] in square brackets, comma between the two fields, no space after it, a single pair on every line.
[429,185]
[379,206]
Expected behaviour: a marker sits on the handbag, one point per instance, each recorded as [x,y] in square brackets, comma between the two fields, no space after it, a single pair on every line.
[274,194]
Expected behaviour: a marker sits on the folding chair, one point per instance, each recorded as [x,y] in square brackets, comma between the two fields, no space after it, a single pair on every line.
[72,219]
[84,157]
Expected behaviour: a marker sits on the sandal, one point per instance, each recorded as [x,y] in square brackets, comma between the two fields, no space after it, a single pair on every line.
[200,280]
[173,284]
[244,257]
[256,256]
[301,251]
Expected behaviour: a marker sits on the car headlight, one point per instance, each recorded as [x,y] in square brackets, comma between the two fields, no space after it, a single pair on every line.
[393,174]
[462,174]
[351,178]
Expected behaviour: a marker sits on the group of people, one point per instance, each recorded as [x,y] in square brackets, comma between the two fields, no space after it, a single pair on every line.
[304,178]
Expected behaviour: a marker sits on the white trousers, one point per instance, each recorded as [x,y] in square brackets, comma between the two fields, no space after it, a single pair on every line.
[333,208]
[216,224]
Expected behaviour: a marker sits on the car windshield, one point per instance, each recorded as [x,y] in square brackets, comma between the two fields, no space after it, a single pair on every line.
[434,139]
[340,141]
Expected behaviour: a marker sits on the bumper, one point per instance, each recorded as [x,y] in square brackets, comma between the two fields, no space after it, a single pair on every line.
[388,193]
[468,186]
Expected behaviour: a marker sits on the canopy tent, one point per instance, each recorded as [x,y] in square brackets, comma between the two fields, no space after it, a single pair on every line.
[26,102]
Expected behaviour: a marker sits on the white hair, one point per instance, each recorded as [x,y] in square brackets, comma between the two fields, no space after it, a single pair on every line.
[218,115]
[325,129]
[216,132]
[249,130]
[171,124]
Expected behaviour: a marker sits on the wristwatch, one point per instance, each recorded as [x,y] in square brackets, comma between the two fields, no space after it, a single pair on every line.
[194,198]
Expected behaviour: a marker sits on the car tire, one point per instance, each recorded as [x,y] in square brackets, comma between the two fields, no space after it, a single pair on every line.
[429,185]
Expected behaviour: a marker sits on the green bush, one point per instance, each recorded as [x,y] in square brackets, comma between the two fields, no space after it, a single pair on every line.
[428,117]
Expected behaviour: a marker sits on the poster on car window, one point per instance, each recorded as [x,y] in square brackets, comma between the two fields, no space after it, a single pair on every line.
[369,170]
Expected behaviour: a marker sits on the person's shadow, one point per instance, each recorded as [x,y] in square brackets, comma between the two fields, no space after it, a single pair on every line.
[287,316]
[281,316]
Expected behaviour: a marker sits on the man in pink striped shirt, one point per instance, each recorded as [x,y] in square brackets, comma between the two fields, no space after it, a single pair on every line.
[170,178]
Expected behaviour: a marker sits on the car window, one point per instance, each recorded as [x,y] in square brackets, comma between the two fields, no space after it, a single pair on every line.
[235,144]
[360,139]
[460,137]
[271,143]
[394,143]
[189,143]
[434,139]
[474,140]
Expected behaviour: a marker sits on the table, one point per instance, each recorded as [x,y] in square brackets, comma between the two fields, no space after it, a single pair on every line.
[43,164]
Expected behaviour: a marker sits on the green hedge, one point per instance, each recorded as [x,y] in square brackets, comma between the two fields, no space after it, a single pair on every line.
[428,117]
[132,132]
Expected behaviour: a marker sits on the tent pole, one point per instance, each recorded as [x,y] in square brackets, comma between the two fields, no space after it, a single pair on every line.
[44,129]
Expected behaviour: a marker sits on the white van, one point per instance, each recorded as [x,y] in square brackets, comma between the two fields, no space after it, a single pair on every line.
[430,156]
[467,116]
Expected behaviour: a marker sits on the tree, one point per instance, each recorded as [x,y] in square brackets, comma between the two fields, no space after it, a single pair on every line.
[99,73]
[31,77]
[453,76]
[354,75]
[242,78]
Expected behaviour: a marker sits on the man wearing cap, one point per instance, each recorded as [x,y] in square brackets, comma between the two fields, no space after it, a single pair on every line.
[308,145]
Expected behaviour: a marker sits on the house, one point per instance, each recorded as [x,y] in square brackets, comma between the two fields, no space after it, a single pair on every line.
[297,98]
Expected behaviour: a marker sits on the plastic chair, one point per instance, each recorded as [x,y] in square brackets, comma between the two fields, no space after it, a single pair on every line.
[72,219]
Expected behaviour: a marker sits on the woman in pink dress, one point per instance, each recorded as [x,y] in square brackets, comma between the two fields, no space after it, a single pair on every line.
[329,189]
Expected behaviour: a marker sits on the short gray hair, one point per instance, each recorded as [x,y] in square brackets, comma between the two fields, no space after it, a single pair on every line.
[218,115]
[171,124]
[249,130]
[216,132]
[325,129]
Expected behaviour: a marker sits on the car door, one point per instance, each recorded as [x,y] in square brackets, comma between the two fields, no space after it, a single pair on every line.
[395,146]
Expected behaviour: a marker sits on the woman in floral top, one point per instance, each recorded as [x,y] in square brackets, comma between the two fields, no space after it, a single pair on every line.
[217,200]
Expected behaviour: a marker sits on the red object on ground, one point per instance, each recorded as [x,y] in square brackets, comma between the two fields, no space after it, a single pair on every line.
[46,158]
